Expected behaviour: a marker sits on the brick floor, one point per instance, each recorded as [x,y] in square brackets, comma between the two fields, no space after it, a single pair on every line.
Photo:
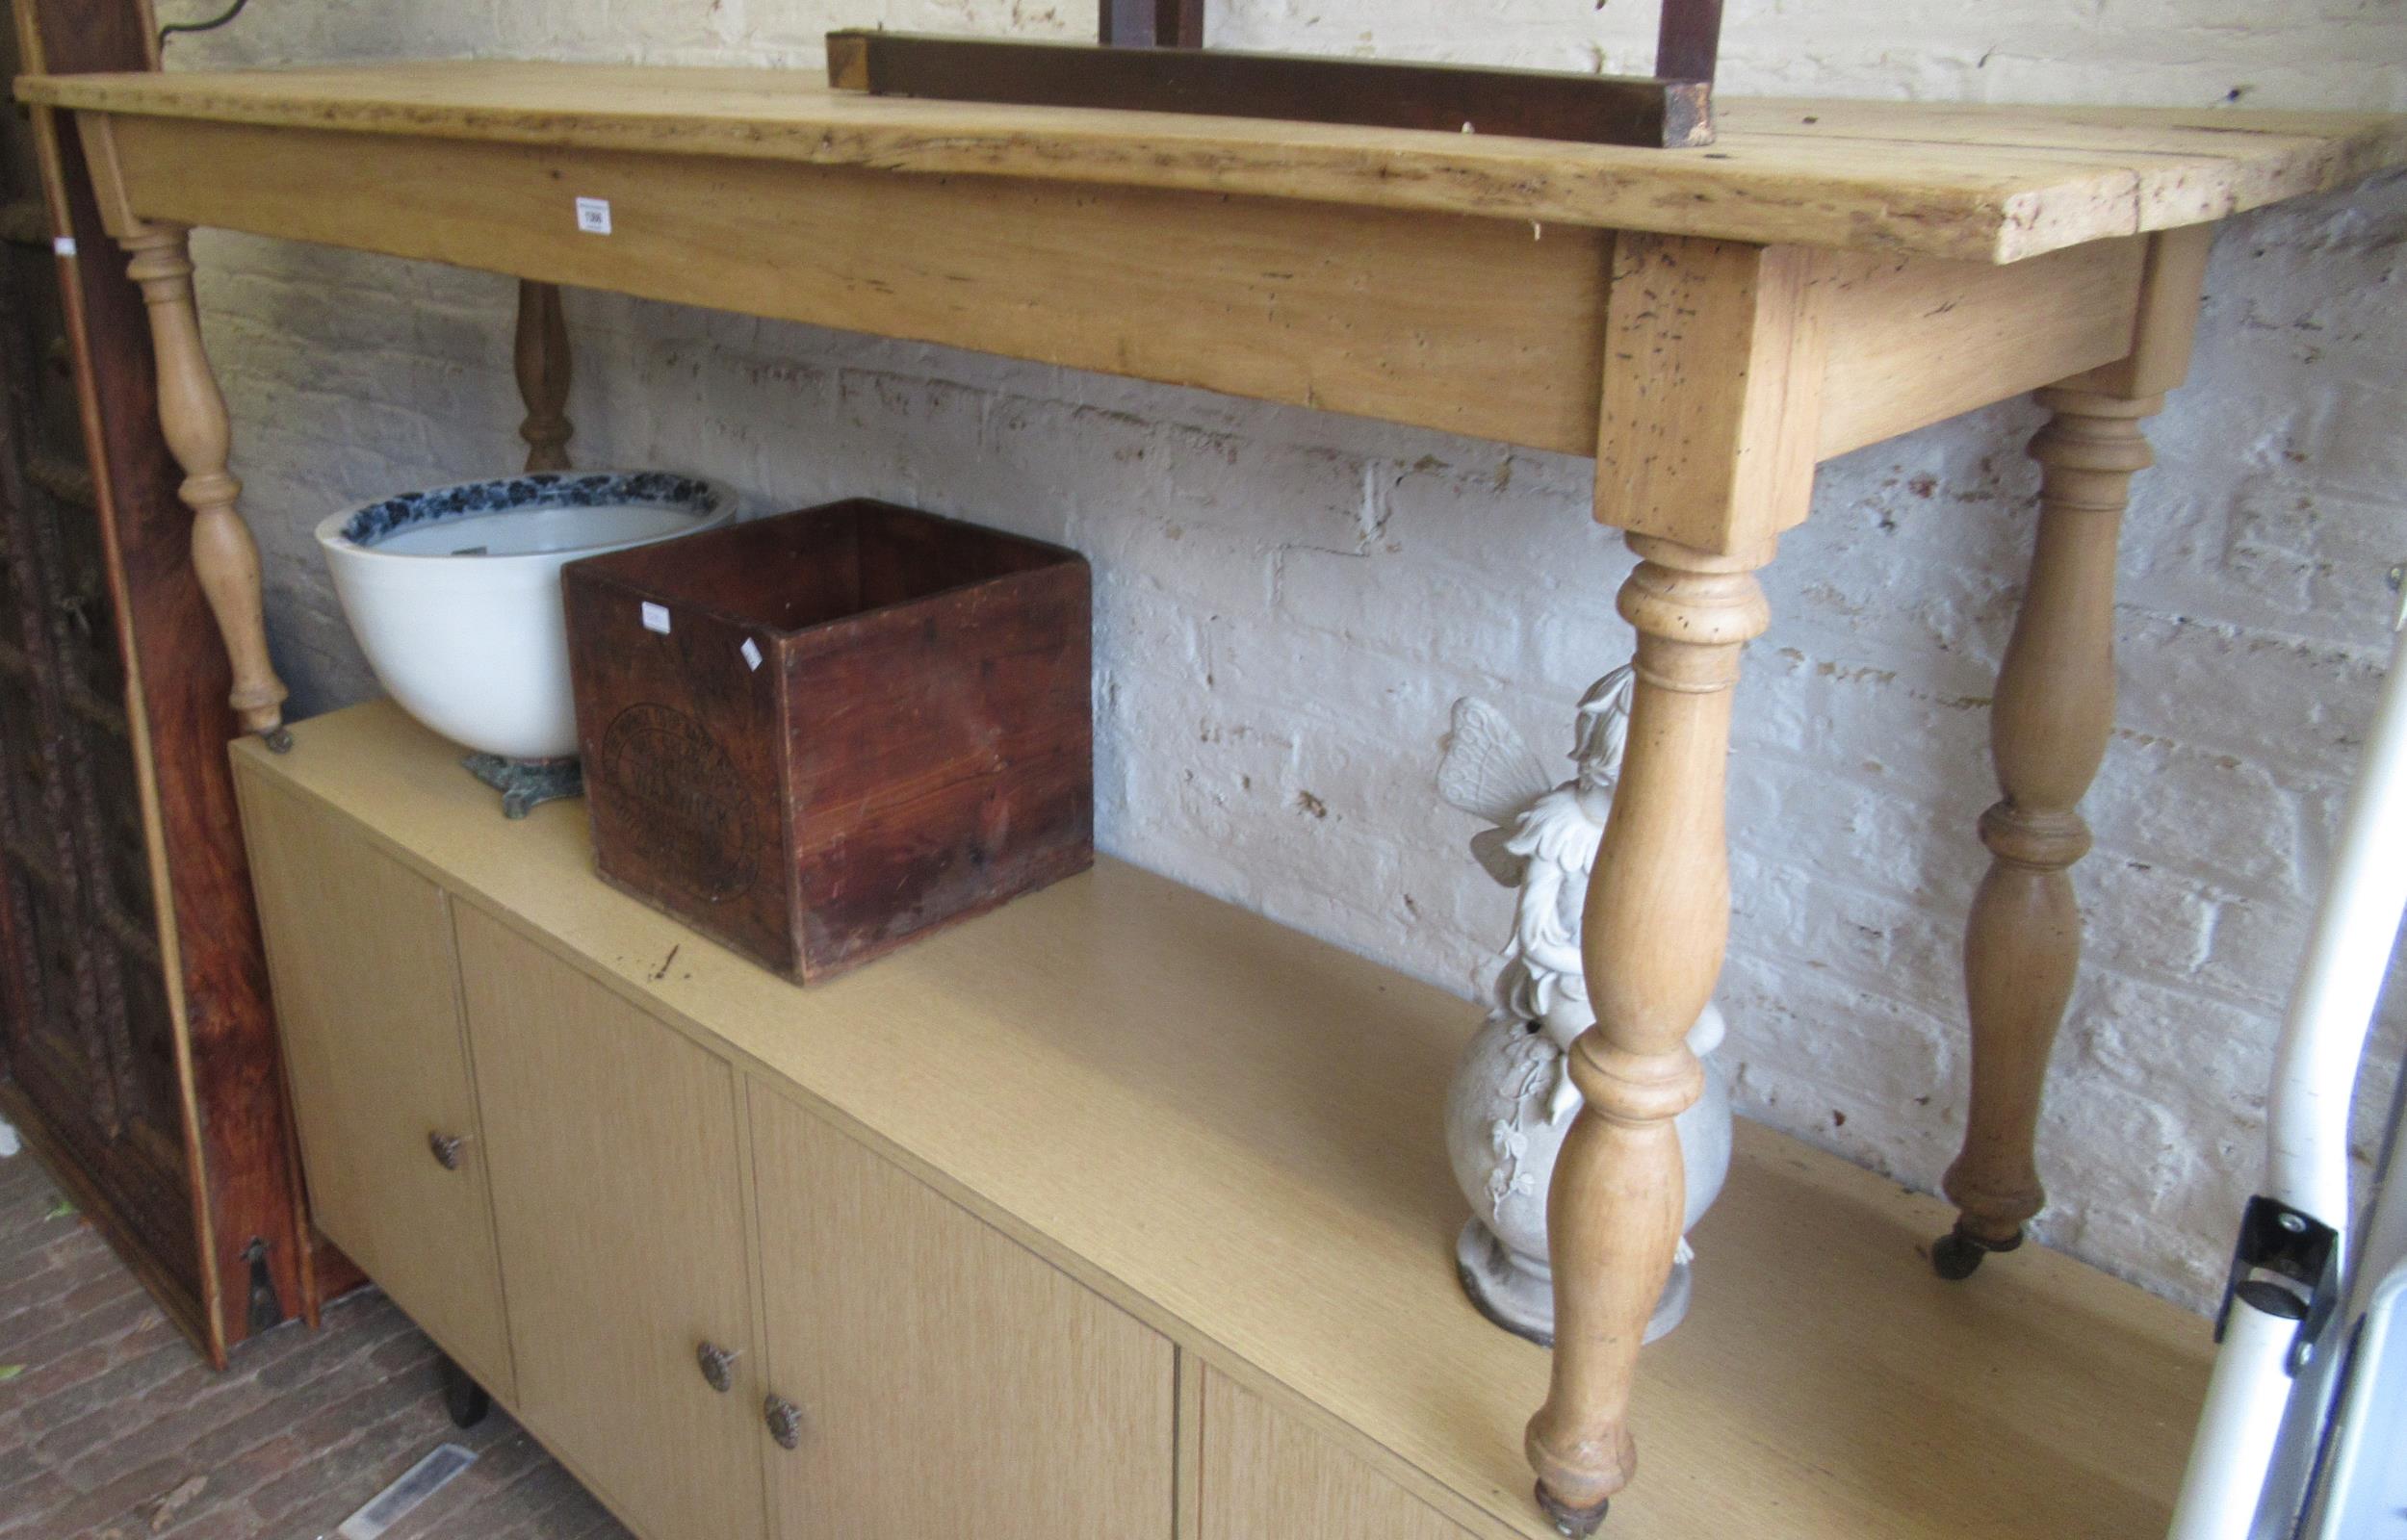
[112,1427]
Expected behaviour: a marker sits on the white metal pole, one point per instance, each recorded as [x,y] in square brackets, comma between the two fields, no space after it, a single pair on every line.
[2247,1398]
[2356,925]
[2323,1037]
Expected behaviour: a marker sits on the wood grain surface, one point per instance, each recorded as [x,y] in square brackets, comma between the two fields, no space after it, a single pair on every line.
[614,1150]
[950,1382]
[1455,323]
[1988,184]
[1232,1131]
[1265,1476]
[1580,107]
[1715,354]
[1484,326]
[854,724]
[244,1176]
[378,1057]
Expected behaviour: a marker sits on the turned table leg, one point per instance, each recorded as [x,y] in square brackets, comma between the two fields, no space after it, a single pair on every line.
[192,414]
[1714,359]
[1658,915]
[543,375]
[2047,729]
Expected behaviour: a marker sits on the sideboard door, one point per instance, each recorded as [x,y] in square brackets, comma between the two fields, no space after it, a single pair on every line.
[617,1195]
[359,953]
[1266,1476]
[943,1380]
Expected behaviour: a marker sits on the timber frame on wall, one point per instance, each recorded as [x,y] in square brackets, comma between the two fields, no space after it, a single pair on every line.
[1688,40]
[1709,327]
[1151,23]
[1151,57]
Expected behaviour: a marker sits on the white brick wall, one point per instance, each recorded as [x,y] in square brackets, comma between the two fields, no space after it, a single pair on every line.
[1287,602]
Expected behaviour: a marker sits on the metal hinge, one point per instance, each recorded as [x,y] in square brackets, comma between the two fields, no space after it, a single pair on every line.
[266,1309]
[2279,1247]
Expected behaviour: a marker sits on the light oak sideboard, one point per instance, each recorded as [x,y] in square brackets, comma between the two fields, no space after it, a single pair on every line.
[1117,1213]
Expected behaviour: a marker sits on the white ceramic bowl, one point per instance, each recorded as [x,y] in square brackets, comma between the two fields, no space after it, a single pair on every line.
[454,592]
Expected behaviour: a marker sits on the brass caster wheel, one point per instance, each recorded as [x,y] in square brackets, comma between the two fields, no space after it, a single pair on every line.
[1573,1523]
[1955,1255]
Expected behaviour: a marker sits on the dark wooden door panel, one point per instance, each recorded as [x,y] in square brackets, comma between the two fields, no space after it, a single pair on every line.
[150,1070]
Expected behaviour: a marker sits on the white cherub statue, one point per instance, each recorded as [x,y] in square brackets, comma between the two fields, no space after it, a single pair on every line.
[1544,845]
[1511,1103]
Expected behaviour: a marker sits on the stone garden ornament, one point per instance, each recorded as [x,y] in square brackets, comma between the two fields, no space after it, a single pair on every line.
[1513,1099]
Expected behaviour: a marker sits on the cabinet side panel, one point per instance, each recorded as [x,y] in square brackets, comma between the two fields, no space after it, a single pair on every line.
[617,1199]
[359,949]
[950,1382]
[1267,1477]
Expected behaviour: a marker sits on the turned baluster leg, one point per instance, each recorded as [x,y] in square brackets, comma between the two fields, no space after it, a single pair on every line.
[192,414]
[2047,730]
[543,375]
[1658,915]
[1714,358]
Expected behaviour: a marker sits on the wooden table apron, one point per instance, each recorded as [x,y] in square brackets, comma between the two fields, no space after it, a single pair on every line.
[1707,376]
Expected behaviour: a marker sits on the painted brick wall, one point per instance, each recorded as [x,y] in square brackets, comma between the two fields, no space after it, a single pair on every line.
[1288,601]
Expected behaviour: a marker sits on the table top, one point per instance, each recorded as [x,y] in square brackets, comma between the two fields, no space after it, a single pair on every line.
[1993,184]
[1236,1133]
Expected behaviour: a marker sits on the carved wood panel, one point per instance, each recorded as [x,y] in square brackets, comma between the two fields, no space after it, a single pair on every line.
[145,1068]
[95,1045]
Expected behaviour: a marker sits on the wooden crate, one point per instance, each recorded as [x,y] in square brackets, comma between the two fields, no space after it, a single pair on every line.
[818,736]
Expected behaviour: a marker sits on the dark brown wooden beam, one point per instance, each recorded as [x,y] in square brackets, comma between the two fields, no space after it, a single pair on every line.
[1152,23]
[1531,103]
[247,1164]
[1688,39]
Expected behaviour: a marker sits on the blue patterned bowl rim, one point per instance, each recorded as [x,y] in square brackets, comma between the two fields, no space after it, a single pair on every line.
[373,523]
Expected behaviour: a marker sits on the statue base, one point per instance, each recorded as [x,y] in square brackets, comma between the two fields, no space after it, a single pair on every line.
[1520,1295]
[525,784]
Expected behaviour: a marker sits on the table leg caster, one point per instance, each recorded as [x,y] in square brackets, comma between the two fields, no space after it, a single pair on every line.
[463,1398]
[1956,1255]
[1574,1524]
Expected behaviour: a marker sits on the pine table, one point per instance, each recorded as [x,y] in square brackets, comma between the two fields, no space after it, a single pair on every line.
[1709,324]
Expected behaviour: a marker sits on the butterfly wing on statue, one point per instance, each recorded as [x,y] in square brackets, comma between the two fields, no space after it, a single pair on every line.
[1489,773]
